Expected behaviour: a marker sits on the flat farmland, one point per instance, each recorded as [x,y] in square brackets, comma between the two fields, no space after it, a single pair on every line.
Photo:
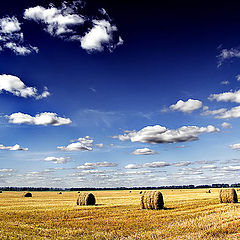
[188,214]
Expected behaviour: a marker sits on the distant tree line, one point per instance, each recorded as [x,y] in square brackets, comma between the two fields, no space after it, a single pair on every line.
[39,189]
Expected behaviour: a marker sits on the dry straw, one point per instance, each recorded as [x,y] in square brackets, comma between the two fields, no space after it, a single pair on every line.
[28,194]
[86,199]
[228,196]
[152,200]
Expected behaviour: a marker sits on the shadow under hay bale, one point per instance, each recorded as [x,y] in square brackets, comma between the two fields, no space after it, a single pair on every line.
[152,200]
[228,196]
[28,194]
[85,199]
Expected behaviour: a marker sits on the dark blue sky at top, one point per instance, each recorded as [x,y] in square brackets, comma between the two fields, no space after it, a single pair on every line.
[169,53]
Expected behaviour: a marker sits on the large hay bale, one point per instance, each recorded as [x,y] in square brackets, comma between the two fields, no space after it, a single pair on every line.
[28,194]
[85,199]
[228,196]
[152,200]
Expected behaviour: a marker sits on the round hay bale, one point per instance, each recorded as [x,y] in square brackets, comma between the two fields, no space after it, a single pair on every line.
[140,192]
[142,201]
[85,199]
[228,195]
[0,191]
[209,191]
[60,193]
[28,194]
[152,200]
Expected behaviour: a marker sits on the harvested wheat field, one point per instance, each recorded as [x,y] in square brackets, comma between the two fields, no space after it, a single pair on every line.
[187,214]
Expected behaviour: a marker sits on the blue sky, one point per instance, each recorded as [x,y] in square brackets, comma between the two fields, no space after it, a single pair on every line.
[103,94]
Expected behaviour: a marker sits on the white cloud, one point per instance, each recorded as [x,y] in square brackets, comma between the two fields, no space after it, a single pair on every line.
[235,146]
[12,38]
[133,166]
[231,168]
[143,151]
[45,118]
[57,160]
[226,97]
[156,164]
[14,85]
[207,112]
[83,144]
[98,36]
[99,145]
[227,54]
[225,82]
[226,125]
[158,134]
[58,21]
[148,165]
[181,164]
[187,107]
[16,147]
[232,113]
[9,25]
[66,22]
[7,170]
[238,77]
[88,165]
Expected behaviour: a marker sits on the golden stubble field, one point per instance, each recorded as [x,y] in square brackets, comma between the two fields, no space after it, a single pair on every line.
[189,214]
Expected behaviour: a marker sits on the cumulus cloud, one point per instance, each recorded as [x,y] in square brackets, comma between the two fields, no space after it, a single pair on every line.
[144,151]
[158,134]
[67,23]
[100,34]
[231,168]
[207,112]
[181,164]
[14,85]
[12,38]
[45,118]
[82,144]
[57,160]
[88,165]
[16,147]
[226,97]
[235,146]
[148,165]
[227,54]
[187,107]
[226,125]
[232,113]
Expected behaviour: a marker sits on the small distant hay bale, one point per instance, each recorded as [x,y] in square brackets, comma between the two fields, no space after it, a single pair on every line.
[78,192]
[0,191]
[130,191]
[140,192]
[152,200]
[228,196]
[85,199]
[209,191]
[28,194]
[60,193]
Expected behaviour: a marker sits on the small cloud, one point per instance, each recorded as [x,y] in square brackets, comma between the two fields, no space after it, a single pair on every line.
[45,118]
[82,144]
[99,145]
[238,77]
[6,170]
[181,164]
[16,147]
[225,82]
[12,38]
[88,165]
[226,125]
[232,113]
[93,90]
[227,54]
[14,85]
[235,146]
[144,151]
[57,160]
[187,107]
[133,166]
[207,112]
